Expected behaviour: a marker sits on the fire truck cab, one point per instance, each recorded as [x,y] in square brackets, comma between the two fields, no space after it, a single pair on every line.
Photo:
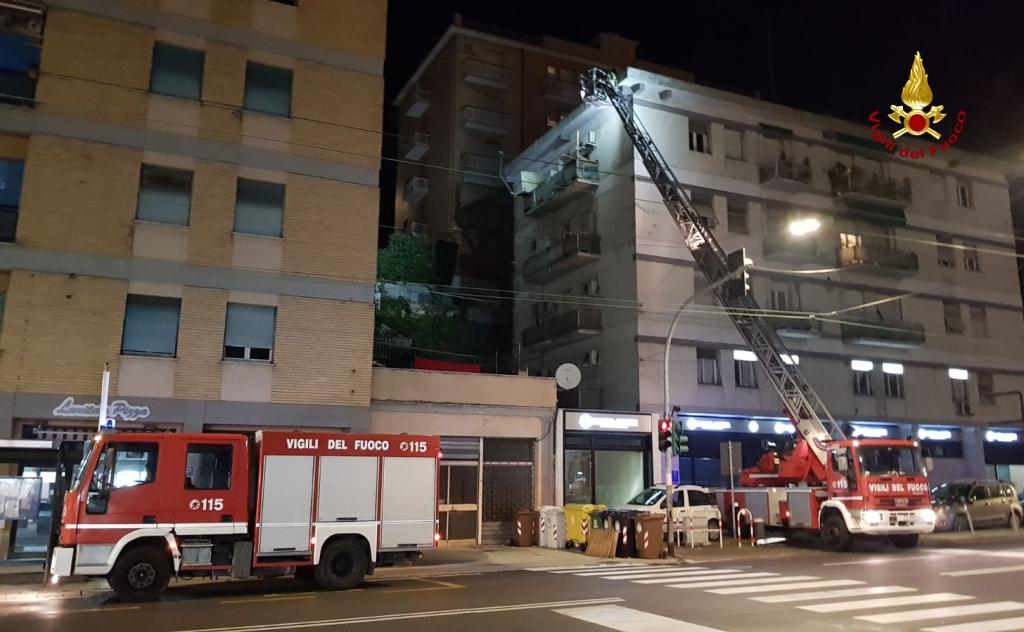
[327,507]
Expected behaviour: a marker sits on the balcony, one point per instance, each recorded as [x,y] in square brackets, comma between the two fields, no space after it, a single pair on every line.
[786,174]
[415,190]
[480,169]
[884,196]
[419,103]
[564,328]
[793,327]
[878,259]
[576,179]
[892,334]
[575,251]
[785,247]
[563,91]
[485,74]
[417,146]
[489,121]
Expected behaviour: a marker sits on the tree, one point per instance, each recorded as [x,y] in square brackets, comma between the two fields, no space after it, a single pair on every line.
[408,258]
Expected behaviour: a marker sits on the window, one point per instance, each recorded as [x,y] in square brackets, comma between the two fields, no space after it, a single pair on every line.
[208,466]
[850,240]
[11,173]
[268,89]
[894,385]
[291,3]
[176,72]
[979,322]
[699,499]
[734,144]
[249,333]
[165,195]
[780,300]
[862,383]
[704,205]
[700,137]
[125,465]
[978,492]
[971,261]
[937,182]
[150,325]
[555,117]
[746,373]
[964,198]
[2,297]
[736,215]
[986,386]
[707,367]
[960,395]
[259,207]
[951,316]
[945,253]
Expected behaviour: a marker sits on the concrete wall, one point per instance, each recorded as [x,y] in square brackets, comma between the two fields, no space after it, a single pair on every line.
[401,385]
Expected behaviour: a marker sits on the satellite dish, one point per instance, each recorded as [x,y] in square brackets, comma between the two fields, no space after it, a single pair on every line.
[568,376]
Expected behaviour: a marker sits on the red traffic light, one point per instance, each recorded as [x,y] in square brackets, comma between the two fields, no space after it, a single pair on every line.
[664,425]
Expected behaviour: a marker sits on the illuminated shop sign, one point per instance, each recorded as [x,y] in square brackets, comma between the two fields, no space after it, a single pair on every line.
[607,421]
[1000,436]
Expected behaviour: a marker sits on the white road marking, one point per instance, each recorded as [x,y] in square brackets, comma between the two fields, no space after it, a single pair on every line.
[630,620]
[582,567]
[639,571]
[679,574]
[940,613]
[322,623]
[725,572]
[1018,553]
[866,604]
[985,571]
[992,625]
[889,559]
[834,594]
[742,590]
[736,581]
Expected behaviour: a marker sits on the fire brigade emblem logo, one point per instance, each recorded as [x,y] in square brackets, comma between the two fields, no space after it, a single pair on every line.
[917,95]
[193,504]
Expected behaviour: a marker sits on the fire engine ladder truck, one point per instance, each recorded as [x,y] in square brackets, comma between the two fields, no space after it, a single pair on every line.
[803,405]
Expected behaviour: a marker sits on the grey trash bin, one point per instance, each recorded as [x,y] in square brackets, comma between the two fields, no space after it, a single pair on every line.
[552,527]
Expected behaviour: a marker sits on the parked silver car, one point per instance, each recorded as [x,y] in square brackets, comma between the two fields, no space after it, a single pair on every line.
[688,502]
[960,504]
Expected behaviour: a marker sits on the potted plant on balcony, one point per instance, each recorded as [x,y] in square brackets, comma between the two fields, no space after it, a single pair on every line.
[804,171]
[839,178]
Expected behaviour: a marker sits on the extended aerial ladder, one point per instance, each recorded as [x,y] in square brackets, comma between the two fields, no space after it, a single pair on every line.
[805,408]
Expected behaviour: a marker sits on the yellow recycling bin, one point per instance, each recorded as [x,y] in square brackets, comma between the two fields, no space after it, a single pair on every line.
[577,523]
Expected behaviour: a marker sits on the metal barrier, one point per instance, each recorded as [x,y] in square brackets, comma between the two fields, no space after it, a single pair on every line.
[739,528]
[690,532]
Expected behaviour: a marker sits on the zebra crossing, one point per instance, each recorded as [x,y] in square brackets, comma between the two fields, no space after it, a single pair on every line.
[885,605]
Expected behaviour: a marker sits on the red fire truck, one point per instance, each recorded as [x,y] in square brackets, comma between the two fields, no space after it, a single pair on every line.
[326,507]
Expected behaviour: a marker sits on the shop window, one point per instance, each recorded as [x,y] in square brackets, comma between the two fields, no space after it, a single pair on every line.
[700,136]
[259,208]
[862,383]
[945,253]
[734,144]
[964,195]
[176,71]
[208,466]
[951,317]
[268,89]
[707,367]
[11,174]
[165,195]
[894,385]
[150,325]
[746,373]
[249,332]
[737,216]
[125,465]
[971,261]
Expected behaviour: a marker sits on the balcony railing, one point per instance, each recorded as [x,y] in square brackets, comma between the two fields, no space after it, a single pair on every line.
[576,178]
[880,259]
[417,146]
[786,247]
[855,184]
[575,251]
[419,103]
[786,174]
[558,90]
[415,190]
[564,328]
[480,169]
[895,334]
[794,327]
[483,120]
[487,74]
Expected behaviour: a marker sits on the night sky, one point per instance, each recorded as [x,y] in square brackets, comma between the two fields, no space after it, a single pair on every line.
[841,58]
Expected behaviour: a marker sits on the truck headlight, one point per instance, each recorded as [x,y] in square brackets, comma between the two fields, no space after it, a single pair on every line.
[871,516]
[928,515]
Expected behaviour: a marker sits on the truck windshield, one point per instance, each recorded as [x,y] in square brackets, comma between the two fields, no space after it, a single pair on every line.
[888,461]
[648,497]
[76,479]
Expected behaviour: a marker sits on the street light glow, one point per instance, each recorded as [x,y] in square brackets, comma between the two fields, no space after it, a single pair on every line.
[801,227]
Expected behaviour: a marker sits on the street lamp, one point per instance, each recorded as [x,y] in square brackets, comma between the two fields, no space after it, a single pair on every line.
[801,227]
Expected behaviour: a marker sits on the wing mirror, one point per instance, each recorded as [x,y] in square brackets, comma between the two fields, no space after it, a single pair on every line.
[842,463]
[929,464]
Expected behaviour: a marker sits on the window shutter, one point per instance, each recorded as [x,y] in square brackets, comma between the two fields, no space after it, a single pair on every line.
[151,325]
[250,326]
[259,207]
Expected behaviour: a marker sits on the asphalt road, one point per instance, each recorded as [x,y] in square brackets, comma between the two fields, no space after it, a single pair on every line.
[976,589]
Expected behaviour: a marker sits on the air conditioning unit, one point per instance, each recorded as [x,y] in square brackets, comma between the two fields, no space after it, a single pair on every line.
[963,408]
[592,357]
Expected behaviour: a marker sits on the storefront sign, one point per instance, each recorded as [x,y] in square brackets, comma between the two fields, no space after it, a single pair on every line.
[117,409]
[609,421]
[873,432]
[708,424]
[930,434]
[998,436]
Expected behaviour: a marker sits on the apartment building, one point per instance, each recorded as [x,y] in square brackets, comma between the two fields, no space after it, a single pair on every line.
[911,277]
[189,195]
[480,96]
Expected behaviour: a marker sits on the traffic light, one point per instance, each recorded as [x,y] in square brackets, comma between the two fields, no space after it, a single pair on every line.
[679,439]
[665,435]
[738,286]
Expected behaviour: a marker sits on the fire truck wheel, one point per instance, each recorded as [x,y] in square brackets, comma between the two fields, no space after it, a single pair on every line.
[904,541]
[835,533]
[342,565]
[140,574]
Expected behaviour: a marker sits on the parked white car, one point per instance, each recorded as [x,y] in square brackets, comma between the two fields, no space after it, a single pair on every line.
[688,501]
